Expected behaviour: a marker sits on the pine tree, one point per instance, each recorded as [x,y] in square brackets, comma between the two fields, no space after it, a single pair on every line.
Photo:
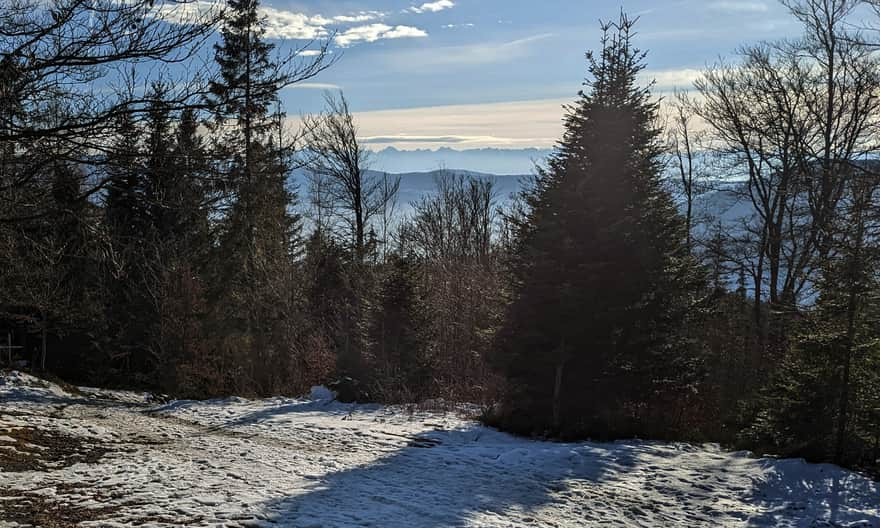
[333,301]
[160,176]
[180,184]
[603,278]
[191,193]
[253,277]
[79,310]
[248,86]
[401,368]
[129,310]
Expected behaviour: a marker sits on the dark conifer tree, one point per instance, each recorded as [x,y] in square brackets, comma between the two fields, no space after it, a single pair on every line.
[79,310]
[130,314]
[248,85]
[399,354]
[160,176]
[603,277]
[191,192]
[332,300]
[254,261]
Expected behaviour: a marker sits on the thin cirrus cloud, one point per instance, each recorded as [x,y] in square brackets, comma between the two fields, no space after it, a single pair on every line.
[420,140]
[502,125]
[313,86]
[517,124]
[669,80]
[740,6]
[466,55]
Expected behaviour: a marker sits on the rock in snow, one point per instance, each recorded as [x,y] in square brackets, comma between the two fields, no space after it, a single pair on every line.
[110,461]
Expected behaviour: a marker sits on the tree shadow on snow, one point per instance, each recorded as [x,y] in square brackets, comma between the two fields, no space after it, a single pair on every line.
[326,408]
[476,471]
[814,496]
[463,473]
[26,395]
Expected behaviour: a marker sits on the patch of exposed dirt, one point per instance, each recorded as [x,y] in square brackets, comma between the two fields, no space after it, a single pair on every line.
[46,512]
[61,510]
[34,449]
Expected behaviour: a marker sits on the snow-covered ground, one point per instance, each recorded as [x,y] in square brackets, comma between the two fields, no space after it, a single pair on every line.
[105,458]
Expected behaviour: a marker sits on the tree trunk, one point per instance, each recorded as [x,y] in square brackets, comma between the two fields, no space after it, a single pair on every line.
[43,342]
[557,388]
[359,222]
[851,314]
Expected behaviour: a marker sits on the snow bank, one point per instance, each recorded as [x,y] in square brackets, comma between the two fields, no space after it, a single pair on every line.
[118,395]
[24,387]
[321,393]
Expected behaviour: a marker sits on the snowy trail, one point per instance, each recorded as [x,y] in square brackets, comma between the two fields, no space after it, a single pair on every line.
[303,463]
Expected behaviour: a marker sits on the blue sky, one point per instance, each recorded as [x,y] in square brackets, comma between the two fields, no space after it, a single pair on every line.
[477,73]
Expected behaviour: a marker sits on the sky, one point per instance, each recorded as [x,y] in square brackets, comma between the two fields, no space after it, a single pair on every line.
[495,73]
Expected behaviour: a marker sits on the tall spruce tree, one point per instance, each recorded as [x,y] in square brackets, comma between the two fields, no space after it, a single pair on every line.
[248,84]
[603,281]
[254,258]
[130,314]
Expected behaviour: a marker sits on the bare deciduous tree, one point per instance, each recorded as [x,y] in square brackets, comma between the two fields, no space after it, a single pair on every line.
[456,223]
[793,117]
[451,232]
[685,142]
[338,165]
[50,48]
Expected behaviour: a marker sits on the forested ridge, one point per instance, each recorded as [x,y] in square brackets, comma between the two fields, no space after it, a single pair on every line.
[151,235]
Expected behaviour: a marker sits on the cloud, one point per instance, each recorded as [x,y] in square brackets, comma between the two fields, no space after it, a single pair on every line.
[363,16]
[282,24]
[536,123]
[403,138]
[186,13]
[374,32]
[519,124]
[432,7]
[677,34]
[454,26]
[279,23]
[668,80]
[740,6]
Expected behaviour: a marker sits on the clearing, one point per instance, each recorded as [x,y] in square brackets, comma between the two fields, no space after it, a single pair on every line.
[105,458]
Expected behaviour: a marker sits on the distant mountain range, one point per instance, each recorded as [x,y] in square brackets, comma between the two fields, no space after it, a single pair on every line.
[487,160]
[722,204]
[415,185]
